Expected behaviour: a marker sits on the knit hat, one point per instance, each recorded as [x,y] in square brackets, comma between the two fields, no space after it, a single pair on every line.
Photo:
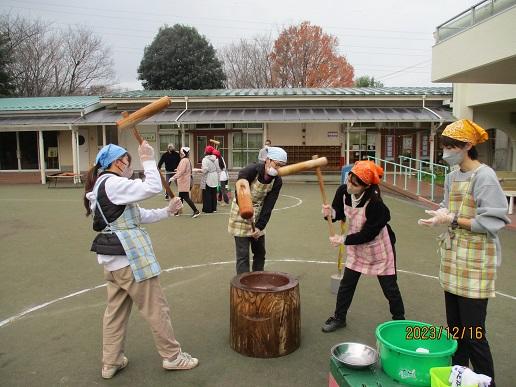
[209,150]
[216,153]
[367,171]
[466,131]
[108,154]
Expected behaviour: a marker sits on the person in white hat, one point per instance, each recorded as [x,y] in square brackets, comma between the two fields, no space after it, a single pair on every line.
[131,268]
[184,179]
[265,185]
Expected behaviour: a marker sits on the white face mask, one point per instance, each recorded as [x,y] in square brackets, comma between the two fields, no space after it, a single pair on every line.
[453,157]
[128,172]
[272,172]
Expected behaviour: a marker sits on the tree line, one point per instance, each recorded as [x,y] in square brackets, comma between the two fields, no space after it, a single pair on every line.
[37,59]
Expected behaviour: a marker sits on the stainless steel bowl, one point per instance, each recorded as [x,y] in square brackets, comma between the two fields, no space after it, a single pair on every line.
[354,355]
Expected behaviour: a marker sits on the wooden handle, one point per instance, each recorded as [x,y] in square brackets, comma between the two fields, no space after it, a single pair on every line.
[302,166]
[139,138]
[323,194]
[130,120]
[245,203]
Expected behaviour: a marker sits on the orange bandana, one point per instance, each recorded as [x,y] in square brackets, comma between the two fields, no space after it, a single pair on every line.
[367,171]
[466,131]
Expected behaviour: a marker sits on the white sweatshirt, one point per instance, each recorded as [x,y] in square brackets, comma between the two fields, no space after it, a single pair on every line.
[121,191]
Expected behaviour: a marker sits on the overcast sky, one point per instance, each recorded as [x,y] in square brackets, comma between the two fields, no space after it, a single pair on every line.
[390,40]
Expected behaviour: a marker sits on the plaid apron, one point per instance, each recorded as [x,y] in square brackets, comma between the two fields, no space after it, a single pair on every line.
[375,257]
[468,259]
[134,239]
[239,226]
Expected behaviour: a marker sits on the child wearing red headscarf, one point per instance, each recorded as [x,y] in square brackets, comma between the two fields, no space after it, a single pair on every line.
[369,241]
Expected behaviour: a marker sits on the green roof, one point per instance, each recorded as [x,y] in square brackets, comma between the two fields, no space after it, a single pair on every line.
[287,92]
[48,103]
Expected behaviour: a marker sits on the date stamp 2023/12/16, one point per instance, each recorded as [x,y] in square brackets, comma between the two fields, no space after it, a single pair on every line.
[435,332]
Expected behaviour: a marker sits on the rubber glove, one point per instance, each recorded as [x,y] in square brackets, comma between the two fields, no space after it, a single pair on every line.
[441,216]
[327,211]
[145,151]
[174,205]
[257,233]
[463,376]
[337,240]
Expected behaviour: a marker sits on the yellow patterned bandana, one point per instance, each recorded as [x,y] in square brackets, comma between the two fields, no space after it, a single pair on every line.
[466,131]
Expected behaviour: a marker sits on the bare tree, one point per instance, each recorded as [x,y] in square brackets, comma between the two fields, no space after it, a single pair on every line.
[247,64]
[48,62]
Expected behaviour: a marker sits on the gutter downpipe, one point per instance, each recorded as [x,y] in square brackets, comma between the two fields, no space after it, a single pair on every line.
[42,158]
[433,130]
[180,124]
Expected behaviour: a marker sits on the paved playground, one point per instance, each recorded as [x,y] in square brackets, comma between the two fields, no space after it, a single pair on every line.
[52,294]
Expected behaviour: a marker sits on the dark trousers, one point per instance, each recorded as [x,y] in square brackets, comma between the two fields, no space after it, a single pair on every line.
[209,199]
[390,289]
[223,194]
[242,253]
[185,197]
[467,317]
[168,176]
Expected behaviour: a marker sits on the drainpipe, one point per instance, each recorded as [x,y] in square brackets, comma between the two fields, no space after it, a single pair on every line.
[42,166]
[74,150]
[433,130]
[184,111]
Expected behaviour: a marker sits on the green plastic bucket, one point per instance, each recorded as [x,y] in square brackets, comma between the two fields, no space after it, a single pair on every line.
[408,349]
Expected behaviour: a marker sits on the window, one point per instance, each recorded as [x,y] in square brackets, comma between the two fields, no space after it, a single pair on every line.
[170,136]
[361,145]
[389,147]
[424,146]
[19,150]
[245,148]
[8,150]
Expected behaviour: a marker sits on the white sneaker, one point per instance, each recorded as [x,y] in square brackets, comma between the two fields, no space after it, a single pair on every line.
[183,361]
[109,371]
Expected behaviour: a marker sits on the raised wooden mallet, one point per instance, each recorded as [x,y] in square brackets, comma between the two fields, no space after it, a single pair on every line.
[245,201]
[215,143]
[131,120]
[302,166]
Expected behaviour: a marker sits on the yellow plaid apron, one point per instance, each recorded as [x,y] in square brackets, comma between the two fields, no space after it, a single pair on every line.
[239,226]
[468,259]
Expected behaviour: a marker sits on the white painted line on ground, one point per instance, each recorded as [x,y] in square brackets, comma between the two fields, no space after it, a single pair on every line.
[200,265]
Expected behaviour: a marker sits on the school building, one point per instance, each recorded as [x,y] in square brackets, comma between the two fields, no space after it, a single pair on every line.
[41,136]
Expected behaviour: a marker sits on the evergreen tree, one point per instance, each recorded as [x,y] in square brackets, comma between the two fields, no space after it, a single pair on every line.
[180,58]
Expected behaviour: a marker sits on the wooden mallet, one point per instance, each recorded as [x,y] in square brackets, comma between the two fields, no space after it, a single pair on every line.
[131,120]
[302,166]
[245,202]
[215,143]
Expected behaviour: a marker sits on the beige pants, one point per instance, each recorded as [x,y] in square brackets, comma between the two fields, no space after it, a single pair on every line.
[122,291]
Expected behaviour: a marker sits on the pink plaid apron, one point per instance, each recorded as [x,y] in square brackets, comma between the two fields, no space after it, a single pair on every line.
[375,257]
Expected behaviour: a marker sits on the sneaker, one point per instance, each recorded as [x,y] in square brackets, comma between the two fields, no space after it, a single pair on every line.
[177,214]
[183,361]
[332,324]
[196,214]
[109,371]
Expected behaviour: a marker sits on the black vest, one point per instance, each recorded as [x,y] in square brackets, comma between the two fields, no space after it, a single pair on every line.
[107,244]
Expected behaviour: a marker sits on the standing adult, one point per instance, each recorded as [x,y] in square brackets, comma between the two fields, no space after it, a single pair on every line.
[210,180]
[222,195]
[124,248]
[171,159]
[262,155]
[369,241]
[265,186]
[474,210]
[184,179]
